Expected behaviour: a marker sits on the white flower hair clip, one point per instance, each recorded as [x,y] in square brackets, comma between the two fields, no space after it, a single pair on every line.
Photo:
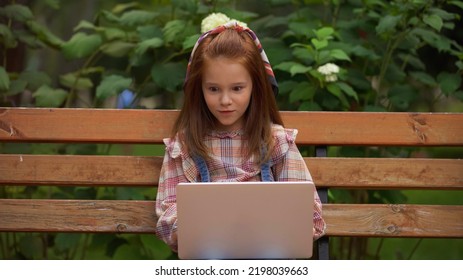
[217,19]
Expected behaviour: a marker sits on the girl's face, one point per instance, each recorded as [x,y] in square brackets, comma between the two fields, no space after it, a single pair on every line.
[227,87]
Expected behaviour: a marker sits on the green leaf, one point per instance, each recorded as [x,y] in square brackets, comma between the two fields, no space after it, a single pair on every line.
[424,78]
[434,21]
[443,14]
[302,91]
[433,39]
[44,34]
[334,89]
[449,82]
[299,69]
[128,194]
[319,44]
[119,8]
[112,85]
[83,24]
[66,241]
[457,3]
[459,95]
[35,79]
[137,17]
[54,4]
[109,16]
[324,33]
[16,86]
[459,64]
[31,246]
[277,51]
[387,24]
[172,29]
[29,39]
[401,96]
[152,43]
[71,80]
[81,45]
[46,96]
[367,53]
[309,106]
[305,54]
[347,89]
[339,54]
[358,80]
[17,12]
[285,87]
[157,249]
[373,108]
[91,70]
[7,37]
[285,66]
[127,252]
[4,80]
[190,42]
[324,57]
[299,28]
[168,75]
[111,34]
[117,48]
[147,32]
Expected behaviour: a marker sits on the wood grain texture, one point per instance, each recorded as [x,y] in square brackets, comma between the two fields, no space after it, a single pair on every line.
[151,126]
[115,216]
[138,217]
[396,220]
[368,173]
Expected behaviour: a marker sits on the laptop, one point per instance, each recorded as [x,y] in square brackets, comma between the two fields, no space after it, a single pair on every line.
[245,220]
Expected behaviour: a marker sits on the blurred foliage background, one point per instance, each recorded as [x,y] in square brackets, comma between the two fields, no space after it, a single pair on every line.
[398,55]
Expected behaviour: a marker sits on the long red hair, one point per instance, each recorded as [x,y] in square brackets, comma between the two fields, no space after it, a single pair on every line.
[195,119]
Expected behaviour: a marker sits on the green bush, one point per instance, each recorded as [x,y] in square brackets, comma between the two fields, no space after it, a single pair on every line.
[337,55]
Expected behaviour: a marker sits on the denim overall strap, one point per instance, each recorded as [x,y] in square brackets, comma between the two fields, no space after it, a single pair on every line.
[202,167]
[265,171]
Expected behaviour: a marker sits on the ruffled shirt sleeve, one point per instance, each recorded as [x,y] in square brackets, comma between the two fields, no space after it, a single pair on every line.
[177,167]
[289,165]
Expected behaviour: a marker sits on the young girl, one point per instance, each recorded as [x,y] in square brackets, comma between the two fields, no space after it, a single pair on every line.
[229,128]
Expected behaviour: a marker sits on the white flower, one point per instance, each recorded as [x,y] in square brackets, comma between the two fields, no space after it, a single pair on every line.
[329,70]
[213,20]
[217,19]
[331,78]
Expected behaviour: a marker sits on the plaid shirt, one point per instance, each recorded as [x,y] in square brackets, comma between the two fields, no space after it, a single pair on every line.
[227,164]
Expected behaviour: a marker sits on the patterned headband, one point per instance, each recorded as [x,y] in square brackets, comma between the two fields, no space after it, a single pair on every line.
[239,28]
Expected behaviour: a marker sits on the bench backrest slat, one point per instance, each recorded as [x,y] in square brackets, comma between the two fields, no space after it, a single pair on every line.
[368,173]
[151,126]
[109,126]
[124,216]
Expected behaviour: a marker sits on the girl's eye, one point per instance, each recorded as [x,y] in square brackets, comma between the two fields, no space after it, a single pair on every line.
[214,89]
[237,88]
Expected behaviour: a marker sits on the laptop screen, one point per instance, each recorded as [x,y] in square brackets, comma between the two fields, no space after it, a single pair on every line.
[245,220]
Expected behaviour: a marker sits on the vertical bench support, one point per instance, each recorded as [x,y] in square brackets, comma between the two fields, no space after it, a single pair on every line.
[323,243]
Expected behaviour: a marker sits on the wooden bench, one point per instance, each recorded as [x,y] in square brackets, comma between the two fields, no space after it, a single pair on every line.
[317,130]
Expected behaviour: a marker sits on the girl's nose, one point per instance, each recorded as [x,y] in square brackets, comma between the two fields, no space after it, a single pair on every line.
[225,99]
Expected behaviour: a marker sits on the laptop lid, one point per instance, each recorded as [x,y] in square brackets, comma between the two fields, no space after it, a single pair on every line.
[245,220]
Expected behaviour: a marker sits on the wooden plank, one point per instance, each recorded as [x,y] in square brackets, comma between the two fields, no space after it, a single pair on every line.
[118,216]
[387,173]
[151,126]
[397,220]
[138,217]
[371,173]
[79,170]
